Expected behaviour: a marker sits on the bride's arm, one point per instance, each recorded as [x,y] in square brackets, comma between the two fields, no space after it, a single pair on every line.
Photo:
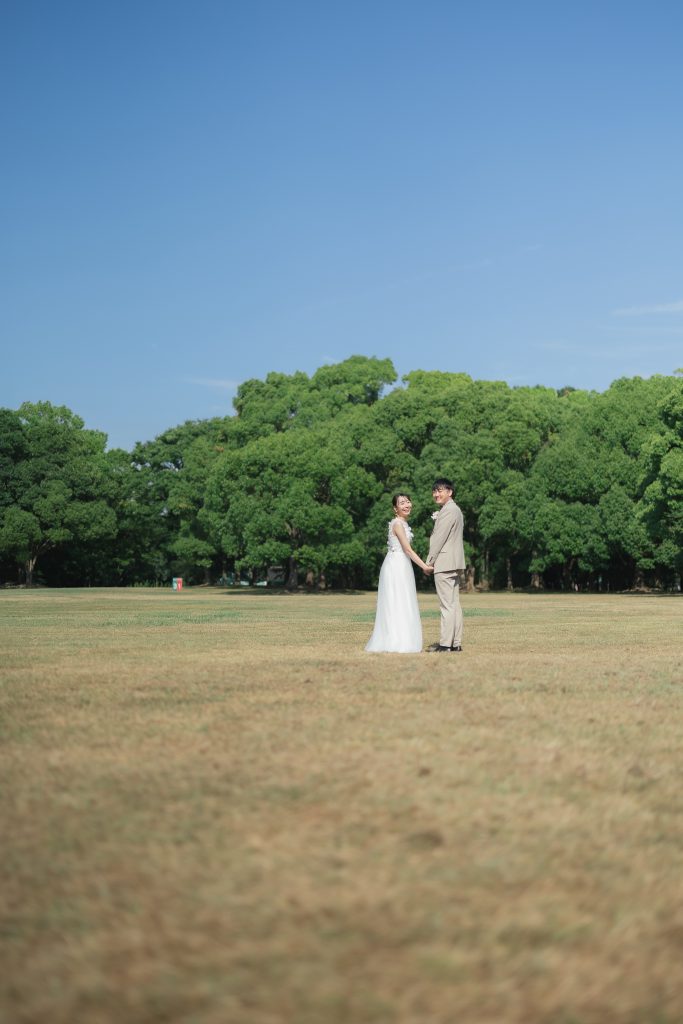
[400,535]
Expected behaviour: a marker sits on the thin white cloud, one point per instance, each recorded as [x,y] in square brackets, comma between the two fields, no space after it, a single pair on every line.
[556,346]
[650,330]
[474,265]
[397,284]
[666,307]
[611,351]
[213,382]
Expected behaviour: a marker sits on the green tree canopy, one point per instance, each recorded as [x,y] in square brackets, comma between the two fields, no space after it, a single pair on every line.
[569,488]
[54,472]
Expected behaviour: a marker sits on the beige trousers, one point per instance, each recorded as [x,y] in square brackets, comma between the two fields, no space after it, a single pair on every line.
[448,591]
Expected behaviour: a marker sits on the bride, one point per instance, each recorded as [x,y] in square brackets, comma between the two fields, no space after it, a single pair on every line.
[397,620]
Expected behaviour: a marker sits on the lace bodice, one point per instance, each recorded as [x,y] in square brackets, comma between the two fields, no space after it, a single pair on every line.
[393,542]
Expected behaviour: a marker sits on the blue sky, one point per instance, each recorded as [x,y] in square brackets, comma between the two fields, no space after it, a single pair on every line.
[195,194]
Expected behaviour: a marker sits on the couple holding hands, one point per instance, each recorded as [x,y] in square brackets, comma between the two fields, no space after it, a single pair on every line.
[397,620]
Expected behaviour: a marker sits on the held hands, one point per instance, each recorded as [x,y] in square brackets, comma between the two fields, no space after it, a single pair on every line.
[428,570]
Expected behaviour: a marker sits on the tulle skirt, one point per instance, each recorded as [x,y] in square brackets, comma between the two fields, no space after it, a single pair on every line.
[397,620]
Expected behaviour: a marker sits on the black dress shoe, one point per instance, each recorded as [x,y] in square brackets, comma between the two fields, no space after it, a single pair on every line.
[438,649]
[458,648]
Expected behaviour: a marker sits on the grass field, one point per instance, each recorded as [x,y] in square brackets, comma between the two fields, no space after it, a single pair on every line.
[216,808]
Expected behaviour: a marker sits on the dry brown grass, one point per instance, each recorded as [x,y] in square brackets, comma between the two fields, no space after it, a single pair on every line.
[217,808]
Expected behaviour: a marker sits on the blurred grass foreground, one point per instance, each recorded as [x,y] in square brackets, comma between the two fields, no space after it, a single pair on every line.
[217,808]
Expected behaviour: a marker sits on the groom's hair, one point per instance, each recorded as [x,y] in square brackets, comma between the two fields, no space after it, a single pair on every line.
[442,481]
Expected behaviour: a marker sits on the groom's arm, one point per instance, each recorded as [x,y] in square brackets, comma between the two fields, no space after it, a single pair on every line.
[442,528]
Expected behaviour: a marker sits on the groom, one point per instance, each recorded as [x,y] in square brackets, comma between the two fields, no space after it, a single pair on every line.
[447,555]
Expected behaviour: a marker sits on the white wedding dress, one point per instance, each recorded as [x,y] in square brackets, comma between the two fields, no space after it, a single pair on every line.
[397,620]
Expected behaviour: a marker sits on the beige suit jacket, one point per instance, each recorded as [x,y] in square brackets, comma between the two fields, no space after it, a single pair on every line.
[446,551]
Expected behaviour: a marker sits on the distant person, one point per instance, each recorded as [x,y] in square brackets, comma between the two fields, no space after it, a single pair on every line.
[397,619]
[447,556]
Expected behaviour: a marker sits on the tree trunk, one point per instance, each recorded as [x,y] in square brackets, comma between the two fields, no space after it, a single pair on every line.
[536,577]
[484,576]
[292,574]
[469,578]
[508,564]
[29,566]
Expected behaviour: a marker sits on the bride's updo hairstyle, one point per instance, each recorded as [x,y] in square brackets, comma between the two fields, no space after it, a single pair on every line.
[401,494]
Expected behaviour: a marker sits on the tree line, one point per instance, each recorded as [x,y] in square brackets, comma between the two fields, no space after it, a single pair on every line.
[560,489]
